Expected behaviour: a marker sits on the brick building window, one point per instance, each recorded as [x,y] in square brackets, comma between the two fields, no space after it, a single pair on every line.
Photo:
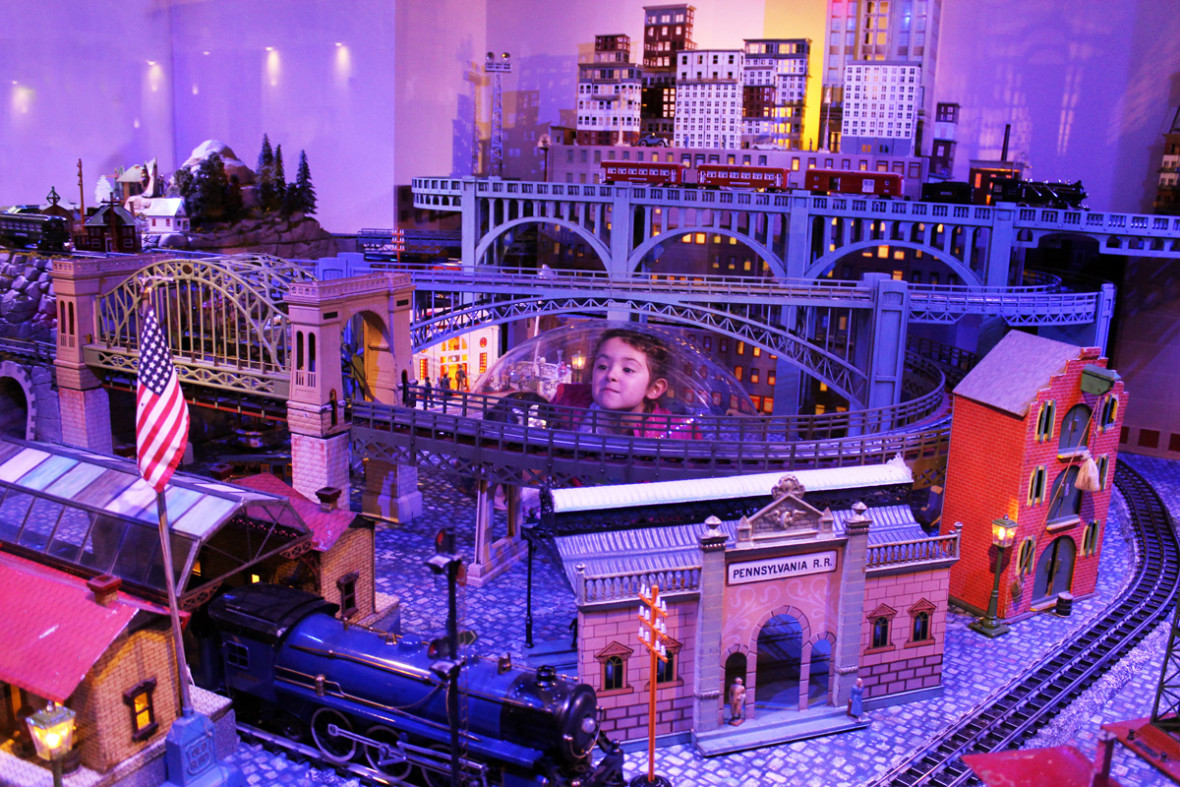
[1090,539]
[1075,429]
[1027,549]
[613,667]
[143,713]
[347,587]
[1103,463]
[1066,499]
[1108,412]
[1045,420]
[1036,485]
[880,632]
[920,615]
[881,622]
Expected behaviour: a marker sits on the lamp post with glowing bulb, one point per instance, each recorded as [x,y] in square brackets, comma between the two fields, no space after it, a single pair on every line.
[52,730]
[1003,534]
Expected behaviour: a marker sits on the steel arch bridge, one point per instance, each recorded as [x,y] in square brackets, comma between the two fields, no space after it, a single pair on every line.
[839,373]
[224,318]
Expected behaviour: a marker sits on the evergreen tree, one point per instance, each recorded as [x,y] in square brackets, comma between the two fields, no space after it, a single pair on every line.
[266,189]
[233,199]
[209,190]
[301,195]
[279,181]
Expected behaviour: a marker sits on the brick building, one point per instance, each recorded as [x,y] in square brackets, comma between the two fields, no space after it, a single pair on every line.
[1031,420]
[102,653]
[799,596]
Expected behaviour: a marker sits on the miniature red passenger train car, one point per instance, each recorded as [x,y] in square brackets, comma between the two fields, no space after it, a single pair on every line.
[742,177]
[656,173]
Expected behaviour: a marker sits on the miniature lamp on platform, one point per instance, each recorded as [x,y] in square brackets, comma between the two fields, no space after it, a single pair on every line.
[1003,535]
[52,729]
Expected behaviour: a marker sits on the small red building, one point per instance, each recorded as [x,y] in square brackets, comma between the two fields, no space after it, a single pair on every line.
[1034,437]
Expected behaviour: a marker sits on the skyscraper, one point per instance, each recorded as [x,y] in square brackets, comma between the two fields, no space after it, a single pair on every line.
[609,94]
[872,31]
[667,31]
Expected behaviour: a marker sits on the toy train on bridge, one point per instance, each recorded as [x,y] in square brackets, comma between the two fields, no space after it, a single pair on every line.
[734,176]
[851,182]
[361,695]
[22,230]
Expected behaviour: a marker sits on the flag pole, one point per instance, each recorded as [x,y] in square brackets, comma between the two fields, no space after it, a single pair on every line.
[186,703]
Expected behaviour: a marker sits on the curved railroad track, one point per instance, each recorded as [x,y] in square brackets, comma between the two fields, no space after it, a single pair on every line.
[1014,713]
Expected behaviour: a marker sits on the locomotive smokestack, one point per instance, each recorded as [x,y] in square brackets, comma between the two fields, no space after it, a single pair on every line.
[1007,134]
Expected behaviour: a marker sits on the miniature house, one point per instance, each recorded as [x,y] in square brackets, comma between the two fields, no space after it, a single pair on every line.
[337,563]
[165,215]
[110,228]
[102,653]
[1034,438]
[799,598]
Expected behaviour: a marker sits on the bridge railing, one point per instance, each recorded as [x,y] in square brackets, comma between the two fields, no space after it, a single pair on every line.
[763,428]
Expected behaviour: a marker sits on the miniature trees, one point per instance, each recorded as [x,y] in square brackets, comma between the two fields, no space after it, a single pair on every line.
[278,183]
[265,175]
[301,194]
[207,202]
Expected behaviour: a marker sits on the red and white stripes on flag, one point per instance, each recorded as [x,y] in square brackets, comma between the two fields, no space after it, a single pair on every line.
[161,414]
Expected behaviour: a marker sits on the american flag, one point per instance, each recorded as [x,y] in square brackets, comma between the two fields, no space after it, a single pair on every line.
[161,414]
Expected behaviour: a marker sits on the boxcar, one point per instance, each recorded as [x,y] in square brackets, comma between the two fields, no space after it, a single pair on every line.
[869,184]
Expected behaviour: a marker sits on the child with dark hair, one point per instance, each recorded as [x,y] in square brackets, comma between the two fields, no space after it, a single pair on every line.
[628,375]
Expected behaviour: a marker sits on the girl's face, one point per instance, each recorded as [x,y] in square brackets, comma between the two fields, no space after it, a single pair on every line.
[621,380]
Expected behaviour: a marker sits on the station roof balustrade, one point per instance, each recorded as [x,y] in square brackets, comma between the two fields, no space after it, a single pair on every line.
[91,514]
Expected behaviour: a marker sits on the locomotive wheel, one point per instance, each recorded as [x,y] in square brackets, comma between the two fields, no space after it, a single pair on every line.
[382,758]
[326,724]
[290,727]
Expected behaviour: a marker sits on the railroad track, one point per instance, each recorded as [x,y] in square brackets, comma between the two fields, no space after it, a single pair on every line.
[1014,713]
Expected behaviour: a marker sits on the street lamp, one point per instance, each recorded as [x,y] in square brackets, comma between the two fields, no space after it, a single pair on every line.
[529,531]
[1003,534]
[52,729]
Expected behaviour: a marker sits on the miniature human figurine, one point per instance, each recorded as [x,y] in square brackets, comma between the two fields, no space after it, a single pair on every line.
[428,395]
[737,700]
[628,375]
[461,378]
[444,386]
[856,701]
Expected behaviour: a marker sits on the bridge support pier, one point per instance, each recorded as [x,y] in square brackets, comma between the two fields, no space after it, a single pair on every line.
[318,462]
[494,557]
[846,653]
[391,491]
[86,418]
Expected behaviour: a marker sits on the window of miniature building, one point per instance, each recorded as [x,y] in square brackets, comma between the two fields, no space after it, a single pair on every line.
[920,628]
[1103,463]
[1036,485]
[347,587]
[1045,420]
[666,671]
[1075,429]
[143,713]
[1066,499]
[880,632]
[1090,539]
[1027,549]
[613,660]
[1149,438]
[1110,411]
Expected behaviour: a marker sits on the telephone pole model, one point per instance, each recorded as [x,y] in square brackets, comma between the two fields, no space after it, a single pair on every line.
[653,633]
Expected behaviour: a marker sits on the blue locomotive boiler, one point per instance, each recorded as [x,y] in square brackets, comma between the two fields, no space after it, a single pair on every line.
[368,696]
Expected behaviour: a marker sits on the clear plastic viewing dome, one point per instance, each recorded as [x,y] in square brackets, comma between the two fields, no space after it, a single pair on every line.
[557,367]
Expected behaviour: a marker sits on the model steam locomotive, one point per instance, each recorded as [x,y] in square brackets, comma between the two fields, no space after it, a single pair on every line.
[367,696]
[46,233]
[1035,194]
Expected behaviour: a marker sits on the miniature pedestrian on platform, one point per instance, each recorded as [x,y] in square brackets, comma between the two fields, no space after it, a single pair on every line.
[428,395]
[856,701]
[444,386]
[737,700]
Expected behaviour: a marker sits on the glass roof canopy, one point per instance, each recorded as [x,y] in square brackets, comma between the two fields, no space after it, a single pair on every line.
[93,514]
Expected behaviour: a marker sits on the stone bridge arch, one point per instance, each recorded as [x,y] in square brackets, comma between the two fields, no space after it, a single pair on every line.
[495,233]
[818,267]
[762,250]
[17,418]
